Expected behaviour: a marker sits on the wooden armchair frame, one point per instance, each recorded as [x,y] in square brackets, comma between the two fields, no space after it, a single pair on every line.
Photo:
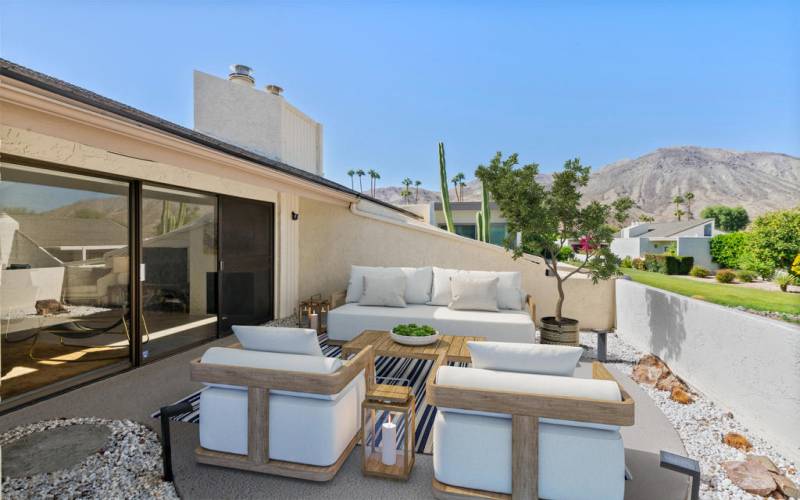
[259,381]
[526,410]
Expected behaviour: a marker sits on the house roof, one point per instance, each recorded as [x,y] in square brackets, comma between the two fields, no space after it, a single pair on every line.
[463,205]
[79,94]
[49,232]
[667,229]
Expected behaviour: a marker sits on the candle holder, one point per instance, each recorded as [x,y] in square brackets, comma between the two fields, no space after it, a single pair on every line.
[313,305]
[388,430]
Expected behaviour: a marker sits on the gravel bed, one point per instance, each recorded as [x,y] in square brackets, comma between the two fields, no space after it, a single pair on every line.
[700,425]
[129,466]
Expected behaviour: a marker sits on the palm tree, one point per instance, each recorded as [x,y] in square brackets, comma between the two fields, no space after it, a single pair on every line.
[646,218]
[461,185]
[677,201]
[351,173]
[360,174]
[373,175]
[458,180]
[417,184]
[407,182]
[688,199]
[375,185]
[405,193]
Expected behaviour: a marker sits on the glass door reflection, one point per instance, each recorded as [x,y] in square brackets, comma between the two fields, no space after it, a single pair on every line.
[179,274]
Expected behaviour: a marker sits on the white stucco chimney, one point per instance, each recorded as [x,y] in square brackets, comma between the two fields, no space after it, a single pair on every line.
[262,121]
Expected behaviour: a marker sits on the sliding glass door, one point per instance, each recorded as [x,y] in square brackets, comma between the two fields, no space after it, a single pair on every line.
[179,271]
[64,278]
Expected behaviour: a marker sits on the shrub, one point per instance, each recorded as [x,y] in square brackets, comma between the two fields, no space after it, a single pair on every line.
[699,272]
[726,218]
[795,269]
[725,276]
[565,254]
[668,264]
[727,250]
[746,276]
[626,262]
[784,279]
[638,264]
[774,241]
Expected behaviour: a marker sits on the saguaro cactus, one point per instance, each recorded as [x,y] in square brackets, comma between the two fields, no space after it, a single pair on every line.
[448,214]
[486,213]
[479,226]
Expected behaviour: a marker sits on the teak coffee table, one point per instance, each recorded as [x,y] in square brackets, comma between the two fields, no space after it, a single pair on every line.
[447,348]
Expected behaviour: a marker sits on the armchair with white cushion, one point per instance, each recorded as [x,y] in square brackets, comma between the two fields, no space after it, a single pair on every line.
[278,406]
[518,424]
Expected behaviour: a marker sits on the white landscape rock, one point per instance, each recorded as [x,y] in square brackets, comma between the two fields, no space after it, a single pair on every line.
[700,425]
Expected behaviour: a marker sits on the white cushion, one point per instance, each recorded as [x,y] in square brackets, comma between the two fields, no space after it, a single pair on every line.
[418,284]
[348,321]
[528,358]
[355,287]
[509,288]
[274,361]
[278,339]
[440,292]
[471,293]
[384,290]
[575,463]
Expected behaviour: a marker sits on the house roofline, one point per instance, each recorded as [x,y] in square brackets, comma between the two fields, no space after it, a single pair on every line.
[75,93]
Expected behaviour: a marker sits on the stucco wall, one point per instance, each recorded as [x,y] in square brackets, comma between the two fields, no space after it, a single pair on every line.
[333,238]
[743,361]
[697,247]
[626,247]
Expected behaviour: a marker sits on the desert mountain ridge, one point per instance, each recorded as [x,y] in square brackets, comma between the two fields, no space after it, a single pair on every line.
[758,181]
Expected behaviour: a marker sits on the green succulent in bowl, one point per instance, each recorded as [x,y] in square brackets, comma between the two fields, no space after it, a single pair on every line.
[413,330]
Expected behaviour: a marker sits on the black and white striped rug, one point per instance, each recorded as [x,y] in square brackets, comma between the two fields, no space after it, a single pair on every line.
[388,370]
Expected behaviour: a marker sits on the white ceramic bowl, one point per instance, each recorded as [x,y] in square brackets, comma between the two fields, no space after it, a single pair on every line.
[407,340]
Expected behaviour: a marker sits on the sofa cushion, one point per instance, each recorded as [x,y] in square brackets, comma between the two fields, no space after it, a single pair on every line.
[384,290]
[278,339]
[274,361]
[441,293]
[527,358]
[348,321]
[419,281]
[473,293]
[355,287]
[509,287]
[576,463]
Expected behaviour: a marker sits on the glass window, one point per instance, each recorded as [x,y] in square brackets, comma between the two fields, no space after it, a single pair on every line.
[467,230]
[64,292]
[497,233]
[179,252]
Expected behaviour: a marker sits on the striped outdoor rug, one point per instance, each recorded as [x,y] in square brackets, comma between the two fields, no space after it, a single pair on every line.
[389,370]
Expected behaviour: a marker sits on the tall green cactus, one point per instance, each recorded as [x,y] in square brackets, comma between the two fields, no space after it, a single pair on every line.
[486,213]
[479,226]
[448,213]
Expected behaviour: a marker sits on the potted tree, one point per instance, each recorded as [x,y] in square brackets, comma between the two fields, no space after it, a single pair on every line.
[549,219]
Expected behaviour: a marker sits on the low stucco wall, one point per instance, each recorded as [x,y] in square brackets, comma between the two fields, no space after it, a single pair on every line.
[333,238]
[745,362]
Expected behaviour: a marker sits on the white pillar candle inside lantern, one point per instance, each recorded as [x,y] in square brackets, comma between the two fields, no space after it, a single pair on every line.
[389,437]
[313,321]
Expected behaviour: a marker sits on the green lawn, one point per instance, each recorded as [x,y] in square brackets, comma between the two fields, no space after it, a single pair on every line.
[727,295]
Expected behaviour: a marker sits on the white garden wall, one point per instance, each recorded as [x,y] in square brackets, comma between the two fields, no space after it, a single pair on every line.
[747,363]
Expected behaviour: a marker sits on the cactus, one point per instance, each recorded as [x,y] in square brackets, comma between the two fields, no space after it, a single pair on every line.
[448,214]
[486,214]
[479,226]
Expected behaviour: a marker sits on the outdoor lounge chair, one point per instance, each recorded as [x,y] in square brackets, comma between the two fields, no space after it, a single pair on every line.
[501,434]
[294,415]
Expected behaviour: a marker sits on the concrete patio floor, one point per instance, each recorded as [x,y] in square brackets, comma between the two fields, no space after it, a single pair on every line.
[136,394]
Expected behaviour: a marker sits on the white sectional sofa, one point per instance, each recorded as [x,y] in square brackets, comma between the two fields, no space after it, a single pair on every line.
[428,301]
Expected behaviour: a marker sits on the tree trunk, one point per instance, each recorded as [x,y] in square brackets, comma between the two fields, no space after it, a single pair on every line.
[560,286]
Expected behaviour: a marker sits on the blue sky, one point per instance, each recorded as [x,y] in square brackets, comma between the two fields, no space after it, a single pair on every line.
[599,80]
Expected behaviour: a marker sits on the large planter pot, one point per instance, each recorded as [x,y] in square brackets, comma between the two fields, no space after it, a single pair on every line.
[564,333]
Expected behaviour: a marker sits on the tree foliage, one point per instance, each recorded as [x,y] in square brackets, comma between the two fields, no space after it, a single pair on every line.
[774,241]
[728,250]
[549,219]
[727,218]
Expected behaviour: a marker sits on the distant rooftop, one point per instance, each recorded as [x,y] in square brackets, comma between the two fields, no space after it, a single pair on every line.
[667,229]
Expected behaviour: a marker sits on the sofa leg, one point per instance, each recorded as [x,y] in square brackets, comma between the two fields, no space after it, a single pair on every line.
[525,457]
[166,413]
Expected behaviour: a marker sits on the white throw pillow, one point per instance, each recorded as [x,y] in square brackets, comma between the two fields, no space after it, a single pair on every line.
[278,339]
[471,293]
[509,288]
[418,284]
[355,287]
[527,358]
[384,290]
[441,293]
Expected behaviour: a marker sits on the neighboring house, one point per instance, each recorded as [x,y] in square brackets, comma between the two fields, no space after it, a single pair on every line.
[463,217]
[691,238]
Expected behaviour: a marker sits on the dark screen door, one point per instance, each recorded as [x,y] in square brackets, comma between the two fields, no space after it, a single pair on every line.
[247,262]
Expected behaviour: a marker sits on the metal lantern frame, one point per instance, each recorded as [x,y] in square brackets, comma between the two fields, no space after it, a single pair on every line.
[397,403]
[313,305]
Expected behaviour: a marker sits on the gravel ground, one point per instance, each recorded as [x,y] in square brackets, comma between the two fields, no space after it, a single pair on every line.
[129,466]
[700,425]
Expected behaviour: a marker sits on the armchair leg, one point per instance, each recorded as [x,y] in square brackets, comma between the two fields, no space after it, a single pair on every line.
[166,413]
[525,457]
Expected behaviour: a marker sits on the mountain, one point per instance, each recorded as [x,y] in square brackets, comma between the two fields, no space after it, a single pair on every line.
[760,182]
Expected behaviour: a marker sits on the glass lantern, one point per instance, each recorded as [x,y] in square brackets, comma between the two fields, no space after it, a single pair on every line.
[388,430]
[313,313]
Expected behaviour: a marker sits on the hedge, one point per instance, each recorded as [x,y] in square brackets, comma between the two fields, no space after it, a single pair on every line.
[727,250]
[668,264]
